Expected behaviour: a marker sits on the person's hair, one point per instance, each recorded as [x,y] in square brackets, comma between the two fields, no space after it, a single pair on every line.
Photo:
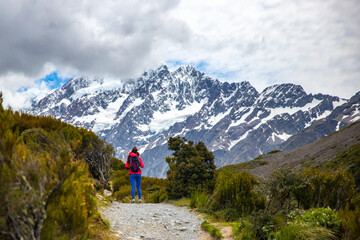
[134,150]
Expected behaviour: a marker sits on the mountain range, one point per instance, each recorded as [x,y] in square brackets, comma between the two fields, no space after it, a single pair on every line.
[235,121]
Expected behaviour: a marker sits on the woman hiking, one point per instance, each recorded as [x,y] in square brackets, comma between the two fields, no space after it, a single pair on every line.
[134,162]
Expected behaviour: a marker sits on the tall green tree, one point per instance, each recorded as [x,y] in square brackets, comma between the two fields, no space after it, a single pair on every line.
[191,168]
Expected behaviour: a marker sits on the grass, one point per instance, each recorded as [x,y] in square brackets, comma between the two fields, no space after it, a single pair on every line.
[257,162]
[213,231]
[180,202]
[305,232]
[199,200]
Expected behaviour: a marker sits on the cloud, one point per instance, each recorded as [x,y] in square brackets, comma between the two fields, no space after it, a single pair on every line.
[312,43]
[107,37]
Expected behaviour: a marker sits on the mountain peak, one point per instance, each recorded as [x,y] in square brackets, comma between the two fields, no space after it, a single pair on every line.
[285,88]
[283,95]
[234,120]
[82,82]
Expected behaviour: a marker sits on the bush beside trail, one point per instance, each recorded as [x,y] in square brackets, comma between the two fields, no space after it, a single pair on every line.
[49,175]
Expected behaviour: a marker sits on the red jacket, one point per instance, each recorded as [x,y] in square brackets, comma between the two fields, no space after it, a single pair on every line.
[131,154]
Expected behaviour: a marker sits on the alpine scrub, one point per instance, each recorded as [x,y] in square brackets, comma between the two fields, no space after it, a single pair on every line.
[48,176]
[305,204]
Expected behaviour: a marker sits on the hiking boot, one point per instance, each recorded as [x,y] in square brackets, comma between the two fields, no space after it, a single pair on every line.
[140,201]
[133,201]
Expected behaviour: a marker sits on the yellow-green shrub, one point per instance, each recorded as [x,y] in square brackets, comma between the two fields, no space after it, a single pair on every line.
[44,191]
[72,208]
[123,194]
[235,190]
[332,188]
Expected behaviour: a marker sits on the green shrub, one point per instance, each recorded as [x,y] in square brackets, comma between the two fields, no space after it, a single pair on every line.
[235,190]
[157,197]
[45,187]
[72,210]
[119,178]
[321,217]
[123,194]
[302,231]
[329,188]
[286,190]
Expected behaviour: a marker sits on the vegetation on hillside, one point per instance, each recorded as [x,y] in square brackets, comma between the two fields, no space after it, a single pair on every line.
[308,204]
[49,174]
[349,159]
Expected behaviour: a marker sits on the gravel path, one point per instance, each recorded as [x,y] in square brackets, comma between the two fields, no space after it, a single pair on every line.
[153,221]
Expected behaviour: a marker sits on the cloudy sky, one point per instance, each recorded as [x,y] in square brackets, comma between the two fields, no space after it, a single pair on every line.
[314,43]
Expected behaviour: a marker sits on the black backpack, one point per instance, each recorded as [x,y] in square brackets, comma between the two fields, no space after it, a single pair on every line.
[134,164]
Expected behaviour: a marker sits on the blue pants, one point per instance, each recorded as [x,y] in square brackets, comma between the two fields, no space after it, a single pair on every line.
[135,178]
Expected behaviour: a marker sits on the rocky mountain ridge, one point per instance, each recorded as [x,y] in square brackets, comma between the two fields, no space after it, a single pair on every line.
[234,120]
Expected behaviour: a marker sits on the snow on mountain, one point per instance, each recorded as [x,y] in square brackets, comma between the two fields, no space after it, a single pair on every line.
[235,121]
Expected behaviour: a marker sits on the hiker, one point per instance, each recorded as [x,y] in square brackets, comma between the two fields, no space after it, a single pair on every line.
[134,162]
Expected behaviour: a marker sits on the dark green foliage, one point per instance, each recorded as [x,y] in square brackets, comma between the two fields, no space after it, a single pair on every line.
[235,192]
[191,167]
[263,223]
[285,187]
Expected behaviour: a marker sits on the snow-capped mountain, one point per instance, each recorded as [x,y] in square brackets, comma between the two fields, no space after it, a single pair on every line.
[234,120]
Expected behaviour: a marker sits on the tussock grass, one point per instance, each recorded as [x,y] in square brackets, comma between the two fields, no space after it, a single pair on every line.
[304,232]
[200,200]
[214,232]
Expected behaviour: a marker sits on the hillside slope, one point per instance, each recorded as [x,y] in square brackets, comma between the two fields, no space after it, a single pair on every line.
[314,154]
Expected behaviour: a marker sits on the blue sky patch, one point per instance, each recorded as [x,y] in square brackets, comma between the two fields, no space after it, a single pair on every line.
[53,80]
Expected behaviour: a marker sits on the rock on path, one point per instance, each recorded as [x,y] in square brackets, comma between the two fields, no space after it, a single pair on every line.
[153,221]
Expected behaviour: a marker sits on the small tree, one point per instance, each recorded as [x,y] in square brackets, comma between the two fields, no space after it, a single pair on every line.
[191,167]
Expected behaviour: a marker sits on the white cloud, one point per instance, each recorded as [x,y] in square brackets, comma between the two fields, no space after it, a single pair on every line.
[312,43]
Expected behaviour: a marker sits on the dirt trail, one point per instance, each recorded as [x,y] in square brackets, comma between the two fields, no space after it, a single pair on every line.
[154,221]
